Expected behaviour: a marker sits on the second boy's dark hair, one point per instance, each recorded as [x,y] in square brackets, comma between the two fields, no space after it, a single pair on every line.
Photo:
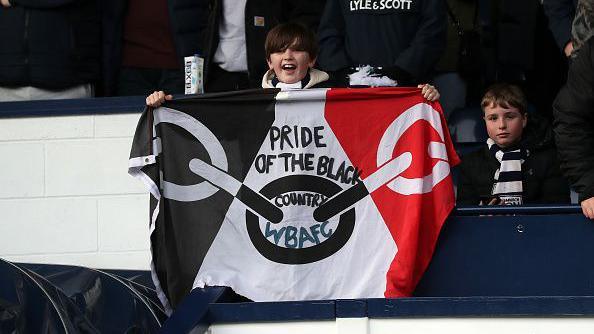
[505,96]
[292,35]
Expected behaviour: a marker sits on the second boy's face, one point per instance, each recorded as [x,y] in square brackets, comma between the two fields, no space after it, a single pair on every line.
[504,126]
[290,66]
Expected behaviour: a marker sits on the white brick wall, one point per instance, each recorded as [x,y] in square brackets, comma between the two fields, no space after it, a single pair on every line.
[65,195]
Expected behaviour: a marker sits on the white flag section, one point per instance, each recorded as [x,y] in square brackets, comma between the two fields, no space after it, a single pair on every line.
[298,167]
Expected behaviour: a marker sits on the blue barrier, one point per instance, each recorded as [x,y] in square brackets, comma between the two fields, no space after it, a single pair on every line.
[402,308]
[489,261]
[91,106]
[104,105]
[498,253]
[516,210]
[193,311]
[419,307]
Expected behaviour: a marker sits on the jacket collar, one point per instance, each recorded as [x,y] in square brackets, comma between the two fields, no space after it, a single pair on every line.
[315,77]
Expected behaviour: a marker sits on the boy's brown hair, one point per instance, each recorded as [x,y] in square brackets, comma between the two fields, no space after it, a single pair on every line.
[505,96]
[291,35]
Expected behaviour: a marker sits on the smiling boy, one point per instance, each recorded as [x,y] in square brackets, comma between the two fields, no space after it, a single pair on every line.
[291,52]
[509,170]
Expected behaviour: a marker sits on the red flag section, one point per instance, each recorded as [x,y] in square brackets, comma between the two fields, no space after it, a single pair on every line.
[375,126]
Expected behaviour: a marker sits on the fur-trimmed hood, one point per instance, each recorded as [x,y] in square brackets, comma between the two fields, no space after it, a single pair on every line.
[315,77]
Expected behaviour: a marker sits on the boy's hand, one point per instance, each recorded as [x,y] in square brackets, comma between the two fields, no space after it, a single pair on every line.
[429,92]
[588,207]
[5,3]
[157,98]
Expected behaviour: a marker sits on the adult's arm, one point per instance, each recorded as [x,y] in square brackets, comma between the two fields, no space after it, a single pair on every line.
[331,34]
[560,14]
[574,123]
[429,41]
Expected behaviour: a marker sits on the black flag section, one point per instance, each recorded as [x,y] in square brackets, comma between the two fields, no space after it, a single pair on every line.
[171,144]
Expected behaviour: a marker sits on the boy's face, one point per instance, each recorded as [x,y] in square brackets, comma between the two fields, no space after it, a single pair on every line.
[504,126]
[290,66]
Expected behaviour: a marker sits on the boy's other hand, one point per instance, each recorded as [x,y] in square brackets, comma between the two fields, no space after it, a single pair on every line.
[157,98]
[429,92]
[588,207]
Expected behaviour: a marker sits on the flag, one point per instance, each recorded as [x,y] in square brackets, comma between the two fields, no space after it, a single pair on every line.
[309,194]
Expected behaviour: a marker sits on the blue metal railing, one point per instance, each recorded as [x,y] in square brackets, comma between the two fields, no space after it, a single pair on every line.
[103,105]
[517,210]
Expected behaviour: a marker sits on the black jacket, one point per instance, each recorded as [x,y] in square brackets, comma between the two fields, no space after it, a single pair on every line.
[560,14]
[188,19]
[50,44]
[508,39]
[307,12]
[574,122]
[543,181]
[409,39]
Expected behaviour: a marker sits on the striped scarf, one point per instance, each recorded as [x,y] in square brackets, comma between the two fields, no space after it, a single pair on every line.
[507,184]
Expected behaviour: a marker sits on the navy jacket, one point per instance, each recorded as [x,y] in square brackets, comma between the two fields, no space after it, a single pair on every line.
[188,19]
[411,37]
[50,44]
[543,182]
